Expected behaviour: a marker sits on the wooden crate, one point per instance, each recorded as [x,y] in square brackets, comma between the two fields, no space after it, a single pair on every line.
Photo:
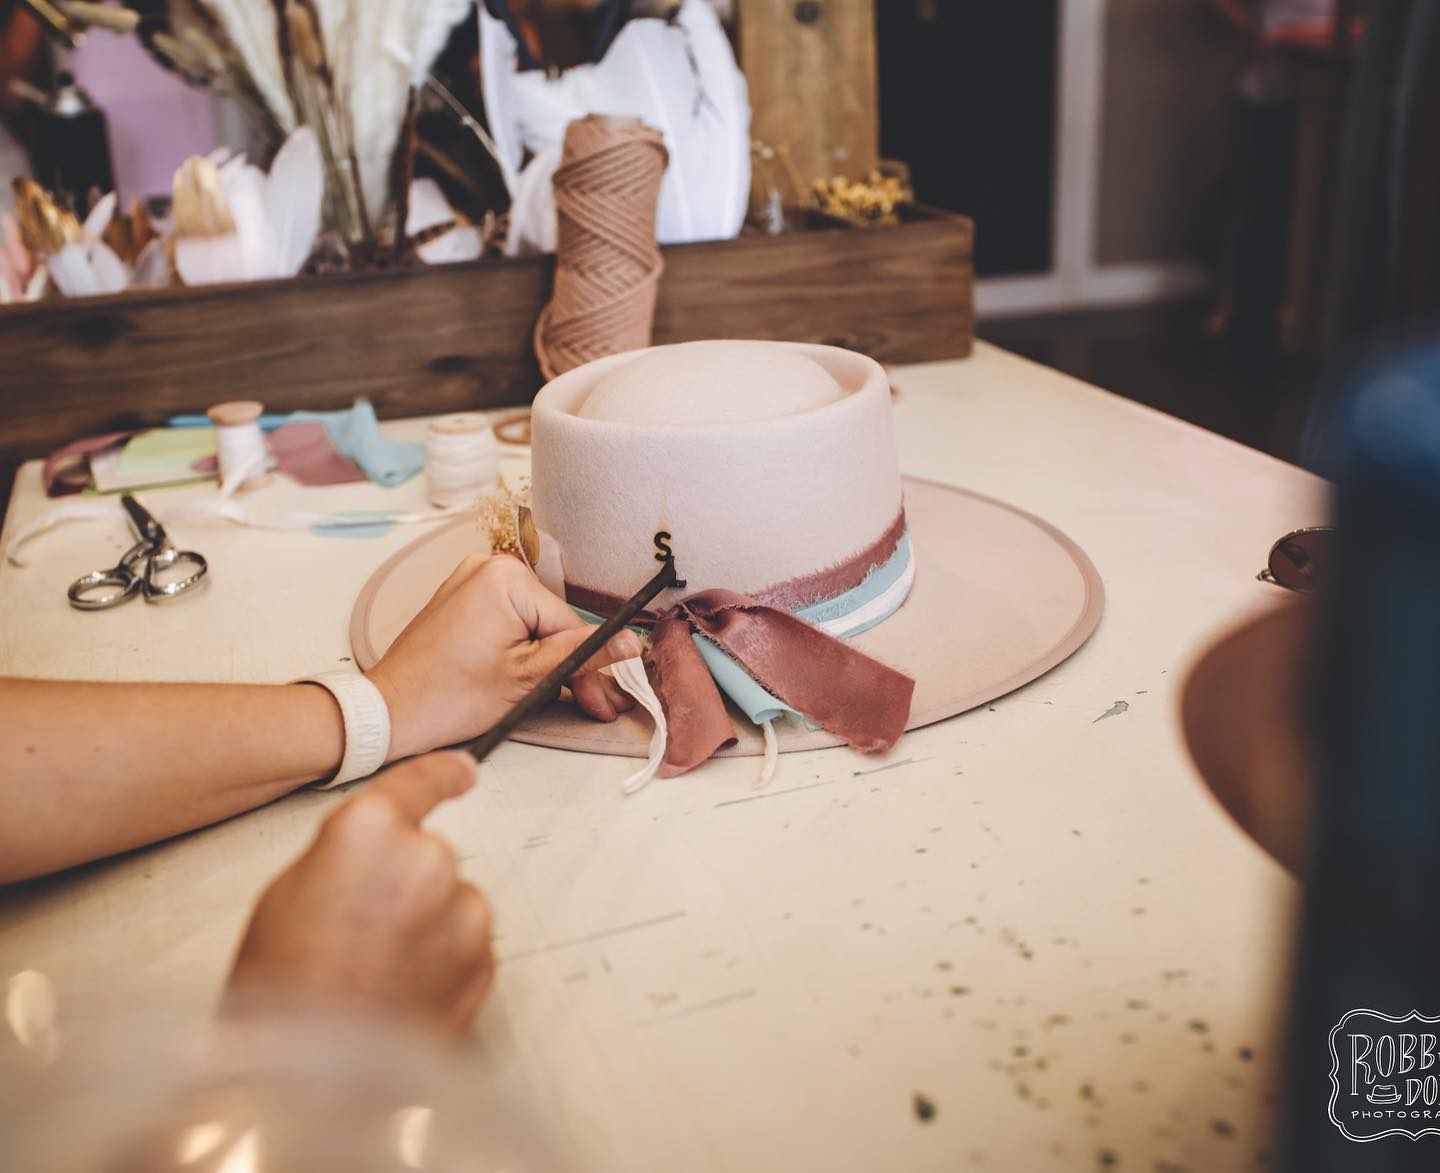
[424,340]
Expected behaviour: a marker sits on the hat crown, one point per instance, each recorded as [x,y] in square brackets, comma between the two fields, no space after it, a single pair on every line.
[709,383]
[748,503]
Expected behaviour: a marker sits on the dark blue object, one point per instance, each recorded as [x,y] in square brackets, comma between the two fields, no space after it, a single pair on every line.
[1370,936]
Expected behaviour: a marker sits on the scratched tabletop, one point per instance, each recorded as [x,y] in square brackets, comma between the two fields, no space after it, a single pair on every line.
[1027,939]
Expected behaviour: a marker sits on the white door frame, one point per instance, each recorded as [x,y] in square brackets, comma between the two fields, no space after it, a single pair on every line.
[1076,281]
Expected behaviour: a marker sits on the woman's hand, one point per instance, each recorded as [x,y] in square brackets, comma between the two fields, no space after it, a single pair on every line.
[374,916]
[489,635]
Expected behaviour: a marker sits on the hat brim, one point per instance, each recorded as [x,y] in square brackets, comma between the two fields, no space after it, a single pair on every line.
[1000,598]
[1241,715]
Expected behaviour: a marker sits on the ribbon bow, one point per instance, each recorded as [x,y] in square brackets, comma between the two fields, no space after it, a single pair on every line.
[855,697]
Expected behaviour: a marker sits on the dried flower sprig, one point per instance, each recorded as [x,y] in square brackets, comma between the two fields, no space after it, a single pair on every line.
[873,200]
[497,515]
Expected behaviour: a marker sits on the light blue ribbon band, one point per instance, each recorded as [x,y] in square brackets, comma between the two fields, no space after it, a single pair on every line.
[880,579]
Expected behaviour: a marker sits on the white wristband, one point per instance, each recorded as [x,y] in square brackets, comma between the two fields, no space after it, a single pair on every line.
[367,724]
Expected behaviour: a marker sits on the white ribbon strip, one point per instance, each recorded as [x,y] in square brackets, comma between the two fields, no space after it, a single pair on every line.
[630,675]
[245,513]
[772,756]
[58,515]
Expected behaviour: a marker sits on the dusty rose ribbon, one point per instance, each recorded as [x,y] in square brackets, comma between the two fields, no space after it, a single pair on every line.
[859,699]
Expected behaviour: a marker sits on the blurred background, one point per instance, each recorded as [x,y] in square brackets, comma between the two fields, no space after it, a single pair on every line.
[1169,202]
[1198,204]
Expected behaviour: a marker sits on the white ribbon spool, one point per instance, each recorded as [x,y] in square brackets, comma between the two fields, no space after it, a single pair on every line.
[462,460]
[240,449]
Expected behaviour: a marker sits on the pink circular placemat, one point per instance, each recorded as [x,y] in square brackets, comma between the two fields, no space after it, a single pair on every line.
[1000,598]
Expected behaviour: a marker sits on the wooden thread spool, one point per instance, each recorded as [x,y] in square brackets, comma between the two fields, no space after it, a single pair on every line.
[240,448]
[462,459]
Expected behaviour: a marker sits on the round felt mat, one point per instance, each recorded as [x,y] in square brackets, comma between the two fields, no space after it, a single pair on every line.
[1000,597]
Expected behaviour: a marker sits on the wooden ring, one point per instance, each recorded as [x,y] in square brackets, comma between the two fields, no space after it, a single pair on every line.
[514,429]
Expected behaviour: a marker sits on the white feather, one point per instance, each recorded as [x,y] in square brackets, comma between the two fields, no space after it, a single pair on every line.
[428,207]
[72,273]
[251,26]
[397,43]
[276,218]
[88,268]
[294,191]
[208,260]
[245,190]
[459,244]
[440,17]
[111,275]
[152,267]
[337,33]
[100,215]
[377,91]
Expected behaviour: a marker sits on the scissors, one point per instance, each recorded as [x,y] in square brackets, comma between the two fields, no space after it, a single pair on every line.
[141,571]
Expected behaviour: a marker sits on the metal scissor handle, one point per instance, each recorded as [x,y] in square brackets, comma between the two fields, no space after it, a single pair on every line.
[167,559]
[102,589]
[141,569]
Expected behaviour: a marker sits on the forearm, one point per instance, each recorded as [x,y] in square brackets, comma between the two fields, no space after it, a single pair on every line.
[88,770]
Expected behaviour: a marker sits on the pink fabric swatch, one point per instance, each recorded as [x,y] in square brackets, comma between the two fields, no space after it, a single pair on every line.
[67,470]
[304,452]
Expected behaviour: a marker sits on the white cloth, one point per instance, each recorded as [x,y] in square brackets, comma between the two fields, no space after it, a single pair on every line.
[679,76]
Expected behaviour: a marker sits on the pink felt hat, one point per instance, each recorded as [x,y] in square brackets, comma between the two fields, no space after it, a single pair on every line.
[768,472]
[826,600]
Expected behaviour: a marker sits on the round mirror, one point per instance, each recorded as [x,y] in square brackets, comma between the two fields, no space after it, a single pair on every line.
[1303,560]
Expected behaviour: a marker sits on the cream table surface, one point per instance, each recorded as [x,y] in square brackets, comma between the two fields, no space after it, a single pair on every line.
[1034,918]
